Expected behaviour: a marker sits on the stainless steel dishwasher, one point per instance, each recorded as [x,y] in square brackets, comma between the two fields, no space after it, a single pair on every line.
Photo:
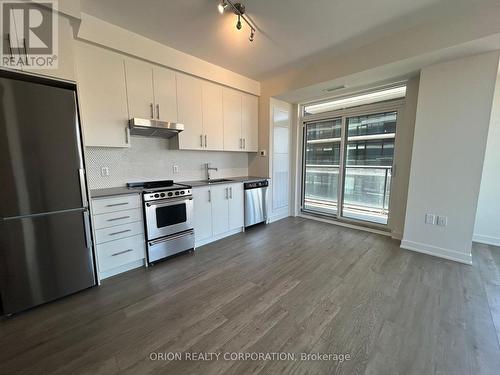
[255,202]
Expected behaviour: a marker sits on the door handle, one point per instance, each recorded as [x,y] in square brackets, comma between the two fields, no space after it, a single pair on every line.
[227,193]
[119,218]
[117,204]
[244,143]
[209,195]
[241,143]
[205,140]
[158,111]
[120,232]
[201,140]
[231,192]
[86,220]
[152,110]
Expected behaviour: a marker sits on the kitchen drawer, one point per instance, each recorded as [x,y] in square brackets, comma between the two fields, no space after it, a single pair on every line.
[117,203]
[119,231]
[117,253]
[117,218]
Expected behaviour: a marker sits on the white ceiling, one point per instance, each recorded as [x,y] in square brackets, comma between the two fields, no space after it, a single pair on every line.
[290,31]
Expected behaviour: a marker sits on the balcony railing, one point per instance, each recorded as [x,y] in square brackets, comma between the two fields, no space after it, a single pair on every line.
[366,191]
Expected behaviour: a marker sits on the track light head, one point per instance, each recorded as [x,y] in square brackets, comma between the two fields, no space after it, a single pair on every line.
[238,24]
[222,6]
[252,35]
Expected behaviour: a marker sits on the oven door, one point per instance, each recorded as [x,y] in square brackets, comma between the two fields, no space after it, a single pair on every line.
[168,216]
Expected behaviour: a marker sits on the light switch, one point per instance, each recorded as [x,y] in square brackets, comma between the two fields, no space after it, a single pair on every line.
[175,168]
[430,219]
[442,221]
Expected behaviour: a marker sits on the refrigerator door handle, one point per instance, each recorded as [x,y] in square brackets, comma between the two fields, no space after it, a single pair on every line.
[86,220]
[81,175]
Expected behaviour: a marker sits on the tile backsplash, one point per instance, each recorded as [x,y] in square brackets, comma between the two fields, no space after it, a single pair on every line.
[151,159]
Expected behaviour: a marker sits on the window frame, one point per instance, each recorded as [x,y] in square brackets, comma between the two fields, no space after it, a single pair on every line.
[396,105]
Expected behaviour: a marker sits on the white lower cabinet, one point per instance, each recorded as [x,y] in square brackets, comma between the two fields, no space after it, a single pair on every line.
[218,211]
[118,234]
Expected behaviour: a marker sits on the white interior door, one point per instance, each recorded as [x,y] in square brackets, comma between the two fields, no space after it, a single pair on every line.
[281,161]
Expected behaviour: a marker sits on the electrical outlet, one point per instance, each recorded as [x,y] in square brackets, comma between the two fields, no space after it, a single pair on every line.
[175,168]
[442,221]
[105,171]
[262,153]
[430,219]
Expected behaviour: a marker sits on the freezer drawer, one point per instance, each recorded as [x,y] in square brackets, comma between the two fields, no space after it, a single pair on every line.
[43,258]
[167,246]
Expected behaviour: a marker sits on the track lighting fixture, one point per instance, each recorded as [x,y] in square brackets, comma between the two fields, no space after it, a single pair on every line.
[239,10]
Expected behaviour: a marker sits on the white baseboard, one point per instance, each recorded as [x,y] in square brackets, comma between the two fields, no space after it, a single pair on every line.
[274,218]
[437,251]
[488,240]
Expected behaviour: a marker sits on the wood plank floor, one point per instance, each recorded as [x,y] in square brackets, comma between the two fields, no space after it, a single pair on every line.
[294,286]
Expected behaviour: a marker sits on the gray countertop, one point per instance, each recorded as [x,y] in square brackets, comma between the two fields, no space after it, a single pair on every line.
[231,179]
[109,192]
[123,190]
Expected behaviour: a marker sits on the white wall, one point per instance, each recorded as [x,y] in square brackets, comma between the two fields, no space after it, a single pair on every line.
[452,121]
[151,159]
[487,228]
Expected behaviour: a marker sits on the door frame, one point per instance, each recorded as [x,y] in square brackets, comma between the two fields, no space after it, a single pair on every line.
[388,106]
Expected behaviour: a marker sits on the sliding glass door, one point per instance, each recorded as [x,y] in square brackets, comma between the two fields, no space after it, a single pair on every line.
[349,159]
[322,166]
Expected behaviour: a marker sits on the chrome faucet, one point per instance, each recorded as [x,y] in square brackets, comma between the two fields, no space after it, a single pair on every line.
[208,168]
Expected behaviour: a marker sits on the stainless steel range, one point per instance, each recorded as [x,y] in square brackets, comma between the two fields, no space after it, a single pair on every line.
[168,215]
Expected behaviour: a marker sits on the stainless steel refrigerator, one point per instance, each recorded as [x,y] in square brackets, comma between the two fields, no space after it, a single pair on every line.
[45,241]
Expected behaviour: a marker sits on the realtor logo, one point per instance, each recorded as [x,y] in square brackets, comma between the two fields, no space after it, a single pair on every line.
[29,34]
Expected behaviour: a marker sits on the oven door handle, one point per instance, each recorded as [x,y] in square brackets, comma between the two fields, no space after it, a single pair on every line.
[173,237]
[168,202]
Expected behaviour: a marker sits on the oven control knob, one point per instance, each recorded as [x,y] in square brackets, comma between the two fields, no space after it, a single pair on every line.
[157,195]
[170,194]
[162,195]
[182,192]
[176,193]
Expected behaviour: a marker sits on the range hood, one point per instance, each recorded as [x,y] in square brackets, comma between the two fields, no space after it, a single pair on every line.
[154,128]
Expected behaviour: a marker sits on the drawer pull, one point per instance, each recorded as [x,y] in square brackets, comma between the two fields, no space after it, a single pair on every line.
[120,232]
[119,218]
[117,204]
[122,252]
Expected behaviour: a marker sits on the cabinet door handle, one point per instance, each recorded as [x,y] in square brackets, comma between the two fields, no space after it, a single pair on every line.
[241,143]
[152,110]
[205,140]
[209,195]
[227,193]
[231,192]
[117,204]
[201,140]
[158,111]
[122,252]
[119,218]
[120,232]
[244,143]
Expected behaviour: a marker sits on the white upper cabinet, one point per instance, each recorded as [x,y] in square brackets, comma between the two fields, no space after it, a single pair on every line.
[102,96]
[139,78]
[250,122]
[232,120]
[241,125]
[189,104]
[165,94]
[213,126]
